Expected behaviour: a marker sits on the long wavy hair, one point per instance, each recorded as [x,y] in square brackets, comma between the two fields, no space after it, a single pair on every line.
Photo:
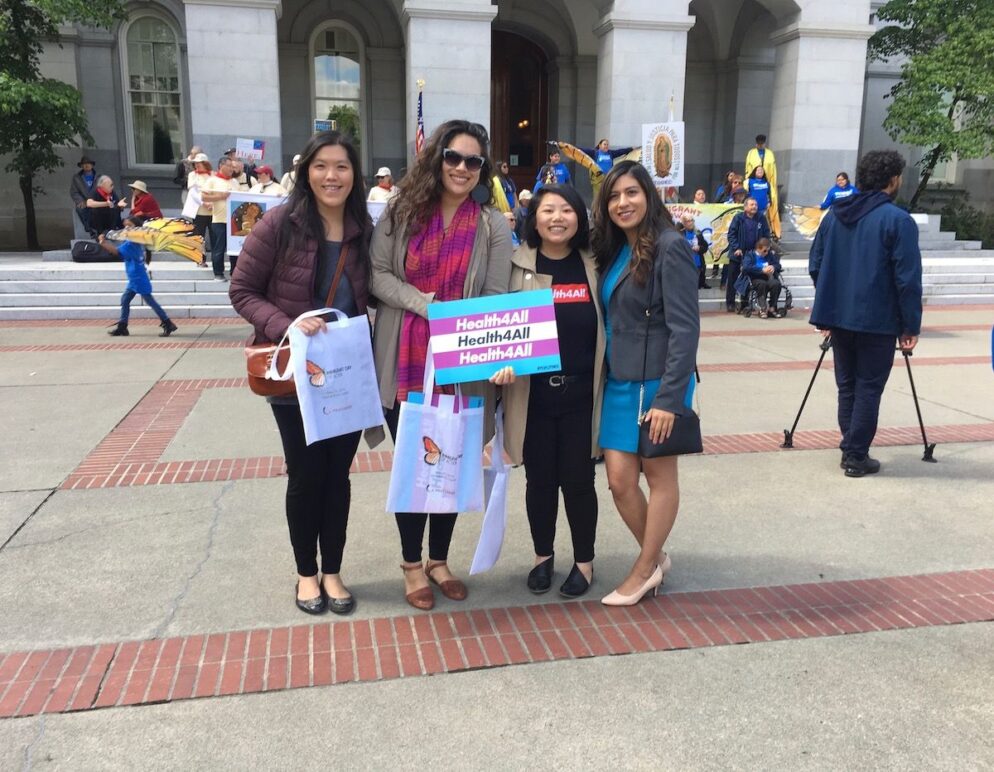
[608,238]
[303,219]
[421,190]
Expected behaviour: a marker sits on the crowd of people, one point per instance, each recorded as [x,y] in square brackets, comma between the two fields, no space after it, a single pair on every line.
[632,273]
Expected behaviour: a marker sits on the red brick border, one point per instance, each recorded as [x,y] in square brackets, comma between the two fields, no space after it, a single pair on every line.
[130,455]
[264,660]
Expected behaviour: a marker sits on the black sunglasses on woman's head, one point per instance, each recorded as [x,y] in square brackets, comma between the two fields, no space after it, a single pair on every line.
[453,158]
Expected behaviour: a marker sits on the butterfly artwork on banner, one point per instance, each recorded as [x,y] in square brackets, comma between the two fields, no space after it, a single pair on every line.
[315,374]
[434,454]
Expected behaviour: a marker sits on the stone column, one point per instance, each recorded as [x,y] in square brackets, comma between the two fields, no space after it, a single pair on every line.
[818,86]
[447,46]
[234,81]
[641,64]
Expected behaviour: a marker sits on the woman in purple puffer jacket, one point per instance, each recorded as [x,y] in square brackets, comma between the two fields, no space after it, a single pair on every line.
[287,266]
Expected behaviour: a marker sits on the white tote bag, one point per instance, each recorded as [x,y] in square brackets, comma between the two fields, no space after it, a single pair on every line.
[334,376]
[495,518]
[438,452]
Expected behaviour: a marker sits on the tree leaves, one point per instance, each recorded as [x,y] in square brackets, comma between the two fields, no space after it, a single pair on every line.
[944,101]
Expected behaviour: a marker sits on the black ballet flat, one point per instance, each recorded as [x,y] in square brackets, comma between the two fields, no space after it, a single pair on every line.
[313,606]
[540,577]
[576,584]
[340,606]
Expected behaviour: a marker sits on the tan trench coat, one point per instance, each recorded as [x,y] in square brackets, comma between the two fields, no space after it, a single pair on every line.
[488,274]
[515,396]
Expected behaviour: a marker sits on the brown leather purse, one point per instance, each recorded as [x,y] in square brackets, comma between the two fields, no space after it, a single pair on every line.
[259,357]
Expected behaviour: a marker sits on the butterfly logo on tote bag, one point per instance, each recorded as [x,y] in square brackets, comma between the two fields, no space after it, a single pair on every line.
[434,454]
[315,374]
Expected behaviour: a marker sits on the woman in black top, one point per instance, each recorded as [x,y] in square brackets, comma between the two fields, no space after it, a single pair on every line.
[551,419]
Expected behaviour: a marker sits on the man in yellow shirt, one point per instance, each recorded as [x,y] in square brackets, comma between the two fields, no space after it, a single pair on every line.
[761,155]
[215,190]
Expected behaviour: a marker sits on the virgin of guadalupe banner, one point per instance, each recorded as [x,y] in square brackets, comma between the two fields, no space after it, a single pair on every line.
[663,152]
[244,211]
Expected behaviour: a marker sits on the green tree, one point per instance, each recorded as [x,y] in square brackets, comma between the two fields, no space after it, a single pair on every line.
[347,118]
[38,114]
[944,102]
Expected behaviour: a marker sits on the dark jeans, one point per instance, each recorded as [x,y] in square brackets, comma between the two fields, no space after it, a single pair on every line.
[318,492]
[767,288]
[128,295]
[734,269]
[557,457]
[219,243]
[862,365]
[412,524]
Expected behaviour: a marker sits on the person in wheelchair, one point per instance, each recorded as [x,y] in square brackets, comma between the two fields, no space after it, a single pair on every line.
[762,268]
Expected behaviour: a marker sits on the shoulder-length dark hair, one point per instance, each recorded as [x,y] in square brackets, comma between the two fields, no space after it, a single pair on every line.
[581,239]
[302,220]
[608,238]
[420,192]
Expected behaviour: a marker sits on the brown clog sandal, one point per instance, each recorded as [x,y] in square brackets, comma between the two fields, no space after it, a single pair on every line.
[453,589]
[422,599]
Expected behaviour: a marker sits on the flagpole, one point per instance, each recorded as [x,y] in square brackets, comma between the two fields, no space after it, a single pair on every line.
[419,134]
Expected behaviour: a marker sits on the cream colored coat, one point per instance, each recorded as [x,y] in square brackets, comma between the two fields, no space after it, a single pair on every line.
[524,277]
[488,274]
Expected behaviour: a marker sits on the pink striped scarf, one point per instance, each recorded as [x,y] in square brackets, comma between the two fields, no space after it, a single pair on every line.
[437,261]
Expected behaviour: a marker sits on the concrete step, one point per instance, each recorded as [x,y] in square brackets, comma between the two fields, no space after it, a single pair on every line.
[14,300]
[15,286]
[99,272]
[110,313]
[65,256]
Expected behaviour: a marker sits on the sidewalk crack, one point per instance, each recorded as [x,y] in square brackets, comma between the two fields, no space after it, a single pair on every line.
[160,630]
[29,749]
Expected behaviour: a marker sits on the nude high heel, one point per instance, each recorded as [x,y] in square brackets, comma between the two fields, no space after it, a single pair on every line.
[651,584]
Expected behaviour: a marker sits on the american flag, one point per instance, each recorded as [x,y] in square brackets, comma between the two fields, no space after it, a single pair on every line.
[419,135]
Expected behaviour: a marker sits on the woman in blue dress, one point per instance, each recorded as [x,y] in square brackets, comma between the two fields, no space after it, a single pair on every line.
[649,287]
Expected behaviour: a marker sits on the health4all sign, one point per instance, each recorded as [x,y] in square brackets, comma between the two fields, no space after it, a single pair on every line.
[473,339]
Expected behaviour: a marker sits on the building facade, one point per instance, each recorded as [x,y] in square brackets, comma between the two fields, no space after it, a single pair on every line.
[205,72]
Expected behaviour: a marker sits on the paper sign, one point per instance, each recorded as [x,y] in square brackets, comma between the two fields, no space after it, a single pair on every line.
[323,125]
[244,211]
[473,339]
[663,152]
[250,149]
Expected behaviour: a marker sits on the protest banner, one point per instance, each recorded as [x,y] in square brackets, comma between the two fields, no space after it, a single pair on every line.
[473,339]
[250,149]
[663,152]
[712,220]
[244,211]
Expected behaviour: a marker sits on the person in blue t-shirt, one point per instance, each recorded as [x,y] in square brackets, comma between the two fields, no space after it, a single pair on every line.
[763,269]
[604,156]
[133,256]
[759,189]
[843,188]
[553,173]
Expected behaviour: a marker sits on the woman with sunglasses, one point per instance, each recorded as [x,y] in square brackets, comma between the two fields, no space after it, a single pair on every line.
[551,419]
[440,239]
[649,291]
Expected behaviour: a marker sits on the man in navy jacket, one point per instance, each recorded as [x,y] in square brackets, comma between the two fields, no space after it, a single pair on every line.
[867,272]
[746,228]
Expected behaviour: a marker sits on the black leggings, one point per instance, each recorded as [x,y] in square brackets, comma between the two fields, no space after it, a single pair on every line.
[557,456]
[318,493]
[412,524]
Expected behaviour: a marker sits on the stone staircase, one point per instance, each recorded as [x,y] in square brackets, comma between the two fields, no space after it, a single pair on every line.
[51,286]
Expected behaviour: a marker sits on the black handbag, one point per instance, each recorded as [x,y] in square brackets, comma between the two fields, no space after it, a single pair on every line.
[685,437]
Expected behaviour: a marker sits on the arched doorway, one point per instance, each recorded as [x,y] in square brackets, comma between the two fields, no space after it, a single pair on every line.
[519,105]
